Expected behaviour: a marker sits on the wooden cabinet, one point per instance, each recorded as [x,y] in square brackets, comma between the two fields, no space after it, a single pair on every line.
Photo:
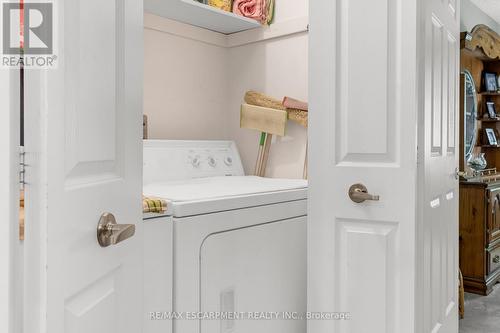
[493,214]
[480,200]
[480,235]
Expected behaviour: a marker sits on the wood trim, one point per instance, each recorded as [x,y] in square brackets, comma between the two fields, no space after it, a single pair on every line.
[481,286]
[21,216]
[482,39]
[475,286]
[462,164]
[145,127]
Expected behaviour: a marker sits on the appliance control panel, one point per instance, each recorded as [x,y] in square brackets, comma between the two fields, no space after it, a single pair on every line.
[166,160]
[212,159]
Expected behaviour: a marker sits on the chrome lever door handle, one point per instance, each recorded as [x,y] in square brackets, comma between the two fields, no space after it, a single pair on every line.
[359,193]
[110,233]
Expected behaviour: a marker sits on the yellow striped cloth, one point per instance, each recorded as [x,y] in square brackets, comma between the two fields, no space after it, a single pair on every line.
[153,205]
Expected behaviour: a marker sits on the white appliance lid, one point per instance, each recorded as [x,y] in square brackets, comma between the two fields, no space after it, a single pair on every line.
[200,189]
[201,177]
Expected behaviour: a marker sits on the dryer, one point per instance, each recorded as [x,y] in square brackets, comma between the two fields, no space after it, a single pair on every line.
[239,242]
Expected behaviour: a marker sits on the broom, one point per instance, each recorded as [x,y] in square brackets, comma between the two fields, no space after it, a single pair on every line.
[297,115]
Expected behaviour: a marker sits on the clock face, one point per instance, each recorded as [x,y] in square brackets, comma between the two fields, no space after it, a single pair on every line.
[470,109]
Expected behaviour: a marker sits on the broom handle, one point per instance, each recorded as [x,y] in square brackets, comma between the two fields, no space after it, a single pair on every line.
[258,164]
[305,160]
[265,158]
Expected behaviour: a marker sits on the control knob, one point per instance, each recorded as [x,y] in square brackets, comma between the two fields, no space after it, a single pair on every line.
[195,162]
[228,161]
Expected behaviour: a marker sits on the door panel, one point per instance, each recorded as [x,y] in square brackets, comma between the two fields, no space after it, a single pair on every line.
[439,248]
[367,251]
[89,308]
[363,116]
[367,92]
[231,277]
[92,164]
[437,85]
[452,91]
[364,126]
[92,106]
[493,215]
[452,7]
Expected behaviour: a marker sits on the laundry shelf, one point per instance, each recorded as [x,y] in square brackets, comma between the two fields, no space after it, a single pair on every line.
[200,15]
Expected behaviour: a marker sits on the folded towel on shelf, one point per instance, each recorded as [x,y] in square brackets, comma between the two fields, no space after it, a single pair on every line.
[254,9]
[222,4]
[270,11]
[153,205]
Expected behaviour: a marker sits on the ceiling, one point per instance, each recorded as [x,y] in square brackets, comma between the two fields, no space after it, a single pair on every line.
[490,7]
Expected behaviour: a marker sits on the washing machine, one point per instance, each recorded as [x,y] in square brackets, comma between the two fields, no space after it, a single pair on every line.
[238,242]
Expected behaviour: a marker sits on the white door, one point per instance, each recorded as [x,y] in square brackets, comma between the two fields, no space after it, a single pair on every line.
[365,99]
[438,228]
[90,109]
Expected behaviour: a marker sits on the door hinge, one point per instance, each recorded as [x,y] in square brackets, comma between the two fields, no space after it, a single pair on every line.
[22,168]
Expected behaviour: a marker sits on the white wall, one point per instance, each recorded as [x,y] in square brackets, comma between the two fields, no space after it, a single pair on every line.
[278,68]
[185,87]
[471,16]
[193,90]
[288,9]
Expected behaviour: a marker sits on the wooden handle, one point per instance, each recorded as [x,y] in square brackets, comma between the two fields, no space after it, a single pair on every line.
[265,157]
[258,99]
[258,163]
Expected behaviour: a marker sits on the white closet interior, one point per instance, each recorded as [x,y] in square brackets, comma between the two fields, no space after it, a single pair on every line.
[196,73]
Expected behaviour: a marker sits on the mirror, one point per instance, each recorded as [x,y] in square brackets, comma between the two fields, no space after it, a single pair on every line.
[470,116]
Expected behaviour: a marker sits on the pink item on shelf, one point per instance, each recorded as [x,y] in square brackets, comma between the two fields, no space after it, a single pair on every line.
[254,9]
[291,103]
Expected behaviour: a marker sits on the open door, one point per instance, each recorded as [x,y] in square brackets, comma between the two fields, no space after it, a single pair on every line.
[89,112]
[437,230]
[383,195]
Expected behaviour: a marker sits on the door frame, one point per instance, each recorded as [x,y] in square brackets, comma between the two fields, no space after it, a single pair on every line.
[33,308]
[419,225]
[9,195]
